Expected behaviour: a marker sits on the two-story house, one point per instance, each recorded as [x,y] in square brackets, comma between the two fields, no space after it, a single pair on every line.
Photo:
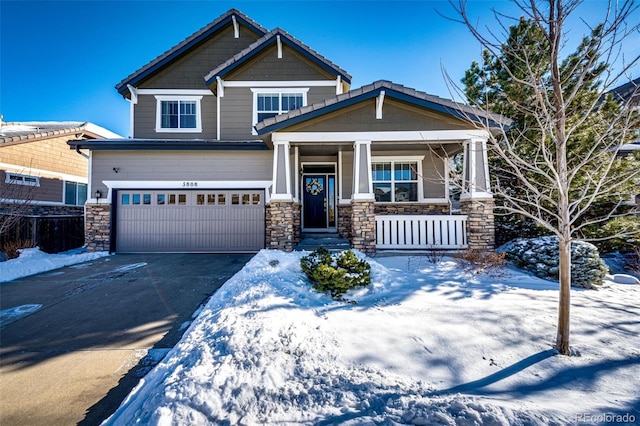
[245,138]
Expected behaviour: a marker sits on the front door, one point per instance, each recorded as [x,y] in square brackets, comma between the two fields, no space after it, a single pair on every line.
[318,202]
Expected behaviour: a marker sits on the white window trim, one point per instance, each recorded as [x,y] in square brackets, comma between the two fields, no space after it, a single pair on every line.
[64,192]
[279,90]
[161,98]
[401,159]
[19,179]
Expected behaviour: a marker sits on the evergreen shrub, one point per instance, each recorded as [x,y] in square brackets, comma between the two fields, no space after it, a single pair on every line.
[335,274]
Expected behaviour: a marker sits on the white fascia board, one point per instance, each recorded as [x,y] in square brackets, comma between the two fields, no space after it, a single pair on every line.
[392,136]
[270,83]
[176,92]
[180,184]
[42,173]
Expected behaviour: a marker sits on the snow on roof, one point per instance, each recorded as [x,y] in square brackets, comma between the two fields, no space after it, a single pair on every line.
[28,130]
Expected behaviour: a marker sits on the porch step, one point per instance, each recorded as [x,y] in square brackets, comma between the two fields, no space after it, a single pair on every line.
[330,241]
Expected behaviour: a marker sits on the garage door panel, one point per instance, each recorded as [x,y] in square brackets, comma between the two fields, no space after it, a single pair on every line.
[190,221]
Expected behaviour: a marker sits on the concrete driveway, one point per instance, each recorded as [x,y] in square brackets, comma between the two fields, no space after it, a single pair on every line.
[102,325]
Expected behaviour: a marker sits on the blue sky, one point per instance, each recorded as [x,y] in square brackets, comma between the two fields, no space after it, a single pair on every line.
[60,60]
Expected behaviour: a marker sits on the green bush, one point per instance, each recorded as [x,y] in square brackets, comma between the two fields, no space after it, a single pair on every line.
[335,274]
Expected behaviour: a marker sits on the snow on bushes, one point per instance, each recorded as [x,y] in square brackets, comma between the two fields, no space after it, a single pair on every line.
[540,257]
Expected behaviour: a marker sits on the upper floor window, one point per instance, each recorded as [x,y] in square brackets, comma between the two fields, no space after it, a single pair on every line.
[178,114]
[395,181]
[20,179]
[75,194]
[271,102]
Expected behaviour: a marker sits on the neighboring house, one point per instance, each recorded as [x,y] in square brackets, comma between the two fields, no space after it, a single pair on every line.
[245,138]
[36,166]
[630,93]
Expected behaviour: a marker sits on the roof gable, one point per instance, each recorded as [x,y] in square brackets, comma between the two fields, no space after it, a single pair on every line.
[396,91]
[265,42]
[188,44]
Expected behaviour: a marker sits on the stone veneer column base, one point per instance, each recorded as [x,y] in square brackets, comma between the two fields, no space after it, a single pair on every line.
[344,221]
[480,223]
[363,226]
[283,225]
[97,227]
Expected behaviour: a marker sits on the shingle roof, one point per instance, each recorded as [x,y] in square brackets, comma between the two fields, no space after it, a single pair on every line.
[627,90]
[188,43]
[394,90]
[267,40]
[31,130]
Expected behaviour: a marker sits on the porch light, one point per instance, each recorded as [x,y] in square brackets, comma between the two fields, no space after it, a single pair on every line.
[98,194]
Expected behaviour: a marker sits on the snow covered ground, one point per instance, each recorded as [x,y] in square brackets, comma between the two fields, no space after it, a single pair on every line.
[424,344]
[34,261]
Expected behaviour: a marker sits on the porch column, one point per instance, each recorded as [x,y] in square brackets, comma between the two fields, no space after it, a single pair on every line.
[283,213]
[281,172]
[476,200]
[363,219]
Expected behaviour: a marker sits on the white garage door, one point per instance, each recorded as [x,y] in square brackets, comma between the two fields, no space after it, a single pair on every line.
[206,221]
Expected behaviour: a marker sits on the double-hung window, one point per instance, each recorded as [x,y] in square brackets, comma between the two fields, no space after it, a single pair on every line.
[396,181]
[178,114]
[271,102]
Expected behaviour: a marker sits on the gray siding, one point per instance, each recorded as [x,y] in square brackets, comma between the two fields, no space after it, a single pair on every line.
[237,109]
[145,120]
[347,174]
[189,71]
[236,112]
[267,66]
[180,166]
[396,116]
[432,171]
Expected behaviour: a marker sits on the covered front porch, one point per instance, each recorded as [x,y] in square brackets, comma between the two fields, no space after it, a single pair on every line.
[381,190]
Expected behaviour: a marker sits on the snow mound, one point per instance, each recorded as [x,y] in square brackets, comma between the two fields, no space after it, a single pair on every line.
[34,261]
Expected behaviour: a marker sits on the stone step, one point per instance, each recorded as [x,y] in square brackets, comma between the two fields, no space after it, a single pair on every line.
[330,241]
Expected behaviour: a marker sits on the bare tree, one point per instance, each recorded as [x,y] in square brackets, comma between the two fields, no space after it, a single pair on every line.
[561,153]
[16,199]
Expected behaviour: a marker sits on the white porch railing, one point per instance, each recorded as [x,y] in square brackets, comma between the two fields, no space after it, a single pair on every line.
[421,231]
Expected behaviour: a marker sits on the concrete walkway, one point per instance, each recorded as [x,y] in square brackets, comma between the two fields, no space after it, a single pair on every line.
[103,324]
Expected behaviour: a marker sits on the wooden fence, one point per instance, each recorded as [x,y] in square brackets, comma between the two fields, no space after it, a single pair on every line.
[52,234]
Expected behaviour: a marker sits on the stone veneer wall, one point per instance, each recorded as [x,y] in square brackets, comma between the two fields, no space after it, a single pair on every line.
[97,227]
[344,220]
[480,224]
[283,226]
[40,210]
[363,226]
[404,208]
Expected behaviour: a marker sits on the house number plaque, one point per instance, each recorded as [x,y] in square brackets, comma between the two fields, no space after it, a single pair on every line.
[189,184]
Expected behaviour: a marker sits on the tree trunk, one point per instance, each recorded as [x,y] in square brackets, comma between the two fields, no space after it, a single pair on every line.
[562,339]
